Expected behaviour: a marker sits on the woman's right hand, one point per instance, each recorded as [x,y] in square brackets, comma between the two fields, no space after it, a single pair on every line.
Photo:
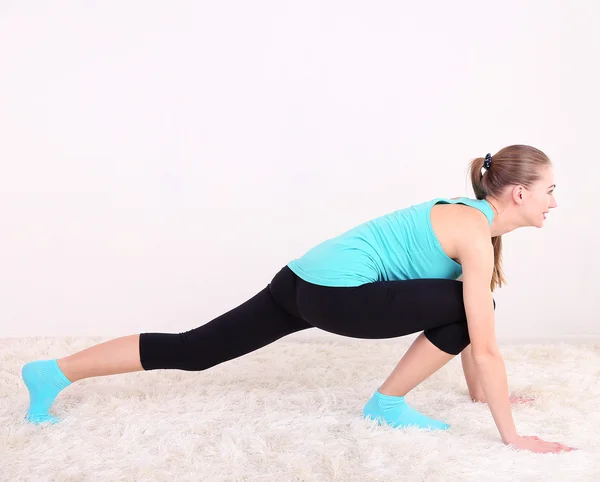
[535,444]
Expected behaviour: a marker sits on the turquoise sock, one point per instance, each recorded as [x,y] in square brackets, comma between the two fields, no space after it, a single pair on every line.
[397,413]
[44,380]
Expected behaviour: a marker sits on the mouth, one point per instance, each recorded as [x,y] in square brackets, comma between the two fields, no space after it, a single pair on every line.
[546,214]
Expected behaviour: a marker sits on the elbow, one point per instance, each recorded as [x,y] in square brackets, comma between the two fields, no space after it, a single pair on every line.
[484,360]
[482,355]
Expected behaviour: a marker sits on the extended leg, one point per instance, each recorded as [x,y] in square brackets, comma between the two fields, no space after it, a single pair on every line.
[121,355]
[254,324]
[45,379]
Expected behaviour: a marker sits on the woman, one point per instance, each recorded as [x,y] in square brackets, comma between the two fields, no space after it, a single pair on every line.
[392,276]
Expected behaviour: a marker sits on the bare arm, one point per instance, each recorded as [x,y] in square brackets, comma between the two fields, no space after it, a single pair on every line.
[469,369]
[475,390]
[477,258]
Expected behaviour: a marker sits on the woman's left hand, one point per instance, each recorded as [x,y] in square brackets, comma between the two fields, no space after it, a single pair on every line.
[517,400]
[513,399]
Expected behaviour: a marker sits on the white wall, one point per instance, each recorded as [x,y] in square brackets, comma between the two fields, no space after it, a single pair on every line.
[161,161]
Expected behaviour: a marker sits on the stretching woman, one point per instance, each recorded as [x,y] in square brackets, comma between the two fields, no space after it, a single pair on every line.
[389,277]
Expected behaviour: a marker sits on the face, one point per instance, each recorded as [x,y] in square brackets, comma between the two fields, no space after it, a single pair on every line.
[538,199]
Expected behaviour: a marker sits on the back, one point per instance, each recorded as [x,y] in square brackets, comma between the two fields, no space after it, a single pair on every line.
[397,246]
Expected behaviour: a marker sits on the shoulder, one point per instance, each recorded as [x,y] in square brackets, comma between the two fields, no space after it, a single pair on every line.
[471,218]
[460,229]
[472,236]
[468,216]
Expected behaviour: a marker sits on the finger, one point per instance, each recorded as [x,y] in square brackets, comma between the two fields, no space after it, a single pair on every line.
[521,400]
[566,447]
[563,448]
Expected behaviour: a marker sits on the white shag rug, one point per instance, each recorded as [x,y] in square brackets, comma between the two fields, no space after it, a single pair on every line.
[292,411]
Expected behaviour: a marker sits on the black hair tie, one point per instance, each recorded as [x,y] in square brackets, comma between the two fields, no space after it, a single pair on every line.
[488,161]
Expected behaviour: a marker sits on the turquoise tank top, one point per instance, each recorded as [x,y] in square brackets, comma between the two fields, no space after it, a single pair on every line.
[397,246]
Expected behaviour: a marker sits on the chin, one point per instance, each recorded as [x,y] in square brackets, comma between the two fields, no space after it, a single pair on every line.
[536,224]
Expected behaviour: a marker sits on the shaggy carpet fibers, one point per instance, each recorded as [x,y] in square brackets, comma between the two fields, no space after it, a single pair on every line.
[292,411]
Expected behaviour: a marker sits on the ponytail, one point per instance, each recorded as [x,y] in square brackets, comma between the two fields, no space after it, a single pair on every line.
[481,187]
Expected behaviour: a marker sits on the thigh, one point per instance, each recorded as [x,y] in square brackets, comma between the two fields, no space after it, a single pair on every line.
[384,309]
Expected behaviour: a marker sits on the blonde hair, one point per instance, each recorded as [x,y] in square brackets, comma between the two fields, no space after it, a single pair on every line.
[510,166]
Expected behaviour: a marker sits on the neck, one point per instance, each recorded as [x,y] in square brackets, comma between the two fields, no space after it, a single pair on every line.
[503,221]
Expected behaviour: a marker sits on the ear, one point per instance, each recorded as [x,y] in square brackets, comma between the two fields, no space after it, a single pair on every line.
[518,194]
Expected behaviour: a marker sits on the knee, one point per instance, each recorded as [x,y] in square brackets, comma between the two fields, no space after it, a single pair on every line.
[452,338]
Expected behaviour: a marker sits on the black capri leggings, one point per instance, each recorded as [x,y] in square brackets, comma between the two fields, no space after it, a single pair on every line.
[383,309]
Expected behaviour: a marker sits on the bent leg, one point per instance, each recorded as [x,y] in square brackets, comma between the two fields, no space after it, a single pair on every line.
[420,361]
[385,309]
[389,310]
[388,405]
[452,338]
